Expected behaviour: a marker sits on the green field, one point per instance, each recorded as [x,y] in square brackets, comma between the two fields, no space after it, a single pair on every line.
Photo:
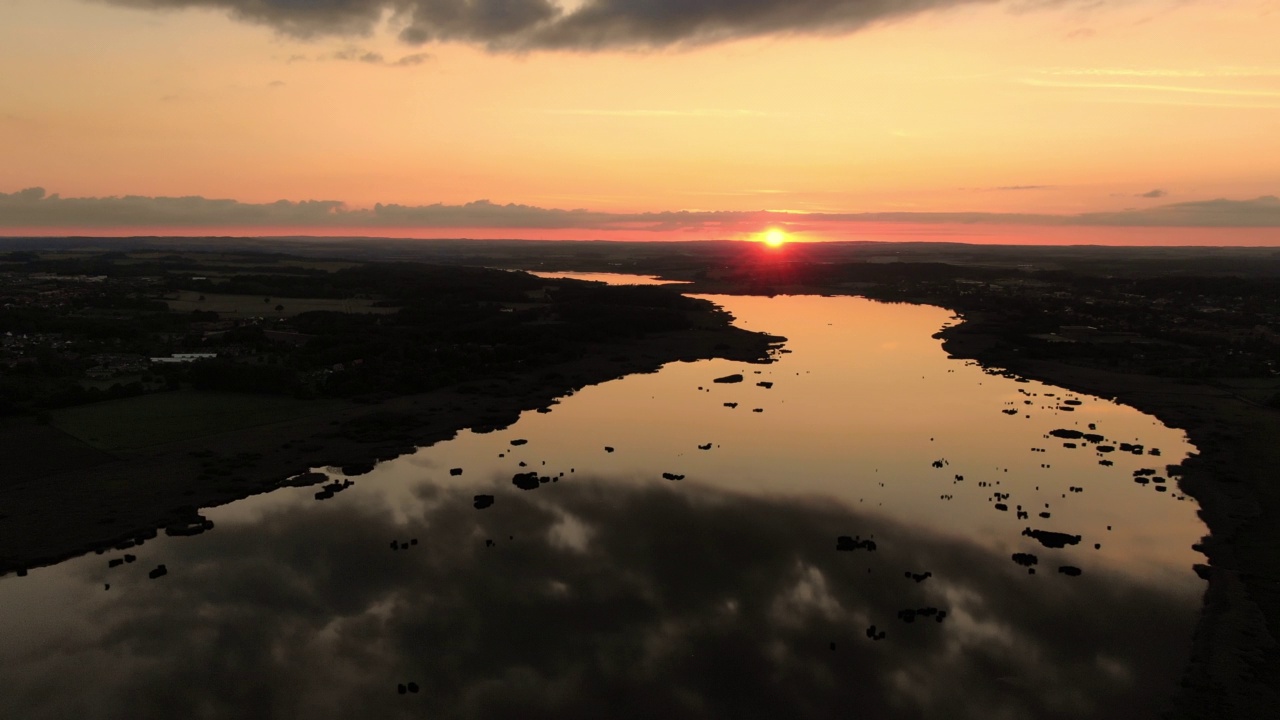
[147,420]
[260,306]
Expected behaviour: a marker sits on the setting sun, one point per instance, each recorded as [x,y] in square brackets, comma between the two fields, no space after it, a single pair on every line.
[775,238]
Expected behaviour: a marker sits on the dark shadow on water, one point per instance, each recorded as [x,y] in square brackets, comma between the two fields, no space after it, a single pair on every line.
[595,600]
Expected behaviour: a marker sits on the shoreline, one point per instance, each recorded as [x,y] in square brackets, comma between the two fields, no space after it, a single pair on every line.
[1234,670]
[1234,666]
[129,499]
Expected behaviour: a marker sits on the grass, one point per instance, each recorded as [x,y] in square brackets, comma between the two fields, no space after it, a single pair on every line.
[260,306]
[147,420]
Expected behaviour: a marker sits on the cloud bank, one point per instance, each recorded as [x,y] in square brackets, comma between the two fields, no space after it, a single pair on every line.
[34,208]
[522,25]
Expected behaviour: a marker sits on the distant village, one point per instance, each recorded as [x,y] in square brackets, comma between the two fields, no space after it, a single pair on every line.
[104,357]
[259,325]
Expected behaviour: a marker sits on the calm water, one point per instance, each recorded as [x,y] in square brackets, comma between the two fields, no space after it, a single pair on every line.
[610,278]
[613,592]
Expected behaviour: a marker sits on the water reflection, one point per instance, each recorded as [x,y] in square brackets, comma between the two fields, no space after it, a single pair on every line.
[609,278]
[598,599]
[609,591]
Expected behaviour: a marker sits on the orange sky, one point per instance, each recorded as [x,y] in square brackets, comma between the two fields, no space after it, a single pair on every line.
[1060,109]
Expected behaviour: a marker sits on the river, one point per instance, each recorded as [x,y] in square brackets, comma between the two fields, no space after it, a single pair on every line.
[611,591]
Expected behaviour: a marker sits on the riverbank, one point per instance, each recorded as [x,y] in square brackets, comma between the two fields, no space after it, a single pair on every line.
[1235,665]
[83,499]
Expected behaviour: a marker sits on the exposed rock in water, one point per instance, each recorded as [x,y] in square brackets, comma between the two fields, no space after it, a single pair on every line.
[1071,570]
[731,405]
[1052,539]
[919,577]
[483,501]
[764,384]
[910,614]
[1067,434]
[160,571]
[357,469]
[671,476]
[526,480]
[608,449]
[1001,506]
[332,489]
[734,378]
[707,446]
[519,441]
[1025,559]
[844,543]
[455,472]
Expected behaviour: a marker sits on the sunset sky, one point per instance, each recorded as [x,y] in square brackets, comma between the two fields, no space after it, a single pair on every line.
[1142,121]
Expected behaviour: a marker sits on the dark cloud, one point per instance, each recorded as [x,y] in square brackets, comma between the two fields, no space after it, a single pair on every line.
[34,208]
[1157,193]
[674,603]
[521,25]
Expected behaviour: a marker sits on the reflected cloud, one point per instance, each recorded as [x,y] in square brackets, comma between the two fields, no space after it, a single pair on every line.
[591,599]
